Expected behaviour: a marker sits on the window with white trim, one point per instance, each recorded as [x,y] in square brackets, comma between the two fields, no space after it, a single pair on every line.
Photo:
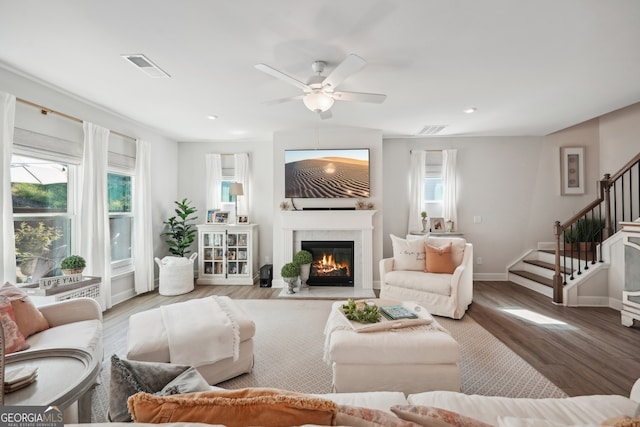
[120,219]
[433,184]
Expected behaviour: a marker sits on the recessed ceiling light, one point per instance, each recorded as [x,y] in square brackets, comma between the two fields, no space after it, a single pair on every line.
[212,117]
[470,110]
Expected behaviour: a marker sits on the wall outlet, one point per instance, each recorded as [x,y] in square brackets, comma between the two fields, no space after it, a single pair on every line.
[479,260]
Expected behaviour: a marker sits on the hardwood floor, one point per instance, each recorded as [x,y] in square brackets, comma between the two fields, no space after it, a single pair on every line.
[591,353]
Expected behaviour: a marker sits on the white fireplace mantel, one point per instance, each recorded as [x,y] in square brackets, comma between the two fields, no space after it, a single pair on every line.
[359,221]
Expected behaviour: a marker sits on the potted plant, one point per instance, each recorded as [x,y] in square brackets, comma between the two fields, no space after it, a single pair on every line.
[289,273]
[423,214]
[181,232]
[303,260]
[73,264]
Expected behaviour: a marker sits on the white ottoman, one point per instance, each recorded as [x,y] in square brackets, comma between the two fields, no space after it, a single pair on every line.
[411,360]
[147,341]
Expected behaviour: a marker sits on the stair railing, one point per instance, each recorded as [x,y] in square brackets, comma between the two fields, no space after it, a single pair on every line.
[579,238]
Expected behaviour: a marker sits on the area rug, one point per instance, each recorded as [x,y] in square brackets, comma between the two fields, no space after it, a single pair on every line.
[289,347]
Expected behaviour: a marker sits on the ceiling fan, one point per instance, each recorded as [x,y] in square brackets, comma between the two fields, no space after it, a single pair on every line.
[319,91]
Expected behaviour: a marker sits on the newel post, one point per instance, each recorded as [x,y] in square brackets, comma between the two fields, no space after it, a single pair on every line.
[557,277]
[605,186]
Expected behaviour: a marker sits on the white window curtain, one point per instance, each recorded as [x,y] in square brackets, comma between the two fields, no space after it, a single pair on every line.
[95,242]
[416,181]
[214,180]
[242,176]
[449,199]
[142,220]
[8,246]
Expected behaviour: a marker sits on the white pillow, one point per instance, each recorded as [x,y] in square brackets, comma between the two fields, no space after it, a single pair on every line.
[535,422]
[408,254]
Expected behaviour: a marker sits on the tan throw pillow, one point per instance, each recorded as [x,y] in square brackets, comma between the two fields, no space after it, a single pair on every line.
[243,407]
[13,339]
[28,317]
[355,416]
[408,254]
[435,417]
[439,260]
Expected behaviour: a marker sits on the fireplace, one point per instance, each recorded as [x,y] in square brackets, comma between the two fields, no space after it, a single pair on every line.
[332,263]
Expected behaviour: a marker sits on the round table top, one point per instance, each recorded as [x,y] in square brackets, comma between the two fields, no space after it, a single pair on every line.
[63,376]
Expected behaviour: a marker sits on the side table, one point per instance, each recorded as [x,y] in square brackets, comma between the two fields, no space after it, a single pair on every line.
[65,376]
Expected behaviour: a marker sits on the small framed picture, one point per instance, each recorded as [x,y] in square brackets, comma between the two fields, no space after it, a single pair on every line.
[211,214]
[221,217]
[243,219]
[437,224]
[572,170]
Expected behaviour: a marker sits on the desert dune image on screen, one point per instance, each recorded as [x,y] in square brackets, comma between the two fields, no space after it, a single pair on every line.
[326,173]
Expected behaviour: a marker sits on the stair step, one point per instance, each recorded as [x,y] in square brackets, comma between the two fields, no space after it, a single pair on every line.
[547,265]
[532,276]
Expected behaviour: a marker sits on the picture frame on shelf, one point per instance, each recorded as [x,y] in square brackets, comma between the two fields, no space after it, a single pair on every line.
[437,224]
[243,219]
[572,170]
[211,214]
[221,217]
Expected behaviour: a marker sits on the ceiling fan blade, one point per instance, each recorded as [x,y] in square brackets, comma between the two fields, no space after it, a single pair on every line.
[325,115]
[282,76]
[351,64]
[281,100]
[376,98]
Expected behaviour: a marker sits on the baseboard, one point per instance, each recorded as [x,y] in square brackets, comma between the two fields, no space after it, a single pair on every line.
[591,301]
[499,277]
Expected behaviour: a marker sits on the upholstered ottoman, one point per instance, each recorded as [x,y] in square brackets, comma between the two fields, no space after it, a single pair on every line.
[409,359]
[213,334]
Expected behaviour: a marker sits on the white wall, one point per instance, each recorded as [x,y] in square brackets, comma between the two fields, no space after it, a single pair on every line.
[163,158]
[619,138]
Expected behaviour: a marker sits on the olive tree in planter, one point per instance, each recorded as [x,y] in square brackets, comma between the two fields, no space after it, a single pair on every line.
[289,273]
[181,232]
[303,260]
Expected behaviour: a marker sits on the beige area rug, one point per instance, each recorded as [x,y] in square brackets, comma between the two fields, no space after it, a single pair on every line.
[289,347]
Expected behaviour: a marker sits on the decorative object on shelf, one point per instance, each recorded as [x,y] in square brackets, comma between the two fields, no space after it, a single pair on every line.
[210,214]
[181,232]
[437,225]
[448,227]
[284,206]
[236,189]
[243,219]
[361,205]
[303,260]
[289,273]
[221,217]
[361,311]
[73,264]
[423,214]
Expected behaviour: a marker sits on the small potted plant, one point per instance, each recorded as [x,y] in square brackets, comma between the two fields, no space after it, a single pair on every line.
[423,214]
[289,273]
[303,260]
[73,264]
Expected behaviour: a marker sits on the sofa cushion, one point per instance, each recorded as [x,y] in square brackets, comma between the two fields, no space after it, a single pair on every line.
[129,377]
[408,254]
[571,410]
[28,317]
[86,334]
[458,245]
[13,338]
[439,260]
[428,282]
[249,406]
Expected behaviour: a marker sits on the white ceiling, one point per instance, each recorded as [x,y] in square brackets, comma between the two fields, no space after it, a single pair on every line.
[529,67]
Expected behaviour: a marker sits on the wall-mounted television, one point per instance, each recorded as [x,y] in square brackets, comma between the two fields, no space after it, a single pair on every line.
[326,173]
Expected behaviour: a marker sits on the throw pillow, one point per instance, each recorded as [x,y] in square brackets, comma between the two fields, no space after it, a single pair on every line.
[408,254]
[439,260]
[435,417]
[355,416]
[265,407]
[130,376]
[622,421]
[28,317]
[13,339]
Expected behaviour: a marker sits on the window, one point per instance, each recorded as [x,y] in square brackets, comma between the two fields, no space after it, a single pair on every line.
[120,219]
[433,184]
[42,217]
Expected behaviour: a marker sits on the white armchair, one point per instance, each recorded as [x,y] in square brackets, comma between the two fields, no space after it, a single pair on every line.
[442,294]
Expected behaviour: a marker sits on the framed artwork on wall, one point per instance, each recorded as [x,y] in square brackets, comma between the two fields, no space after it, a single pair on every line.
[572,170]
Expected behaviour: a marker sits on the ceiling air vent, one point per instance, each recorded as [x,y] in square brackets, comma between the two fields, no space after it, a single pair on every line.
[143,63]
[432,129]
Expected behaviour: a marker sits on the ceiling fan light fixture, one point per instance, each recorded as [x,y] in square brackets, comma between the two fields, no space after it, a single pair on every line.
[318,101]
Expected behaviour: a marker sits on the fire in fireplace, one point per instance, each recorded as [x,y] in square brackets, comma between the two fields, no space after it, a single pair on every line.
[332,263]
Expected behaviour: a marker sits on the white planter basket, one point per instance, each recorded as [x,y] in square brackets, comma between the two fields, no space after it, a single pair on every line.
[176,274]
